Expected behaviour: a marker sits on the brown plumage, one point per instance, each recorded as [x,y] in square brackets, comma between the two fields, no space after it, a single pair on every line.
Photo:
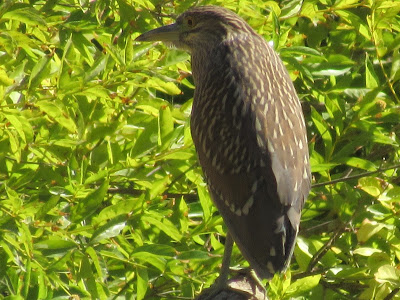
[248,128]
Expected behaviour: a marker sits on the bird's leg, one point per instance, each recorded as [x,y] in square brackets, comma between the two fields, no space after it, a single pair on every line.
[246,285]
[222,279]
[258,281]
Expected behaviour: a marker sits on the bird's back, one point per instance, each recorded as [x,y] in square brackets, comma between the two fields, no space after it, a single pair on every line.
[249,132]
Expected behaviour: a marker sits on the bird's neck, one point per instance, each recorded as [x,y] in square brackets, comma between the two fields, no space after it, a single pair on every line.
[209,57]
[207,60]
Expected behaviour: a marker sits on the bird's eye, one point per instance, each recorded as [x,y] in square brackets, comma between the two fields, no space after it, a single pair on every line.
[190,21]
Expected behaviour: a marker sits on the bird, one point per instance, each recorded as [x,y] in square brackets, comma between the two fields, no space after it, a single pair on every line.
[249,132]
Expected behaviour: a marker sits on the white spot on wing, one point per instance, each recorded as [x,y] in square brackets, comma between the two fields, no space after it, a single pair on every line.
[254,187]
[300,144]
[260,141]
[271,148]
[294,218]
[247,206]
[258,124]
[270,267]
[305,175]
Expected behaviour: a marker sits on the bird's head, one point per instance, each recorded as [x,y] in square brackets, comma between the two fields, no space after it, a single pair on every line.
[199,28]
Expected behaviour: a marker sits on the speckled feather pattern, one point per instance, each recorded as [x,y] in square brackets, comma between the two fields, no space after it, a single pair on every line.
[248,128]
[249,131]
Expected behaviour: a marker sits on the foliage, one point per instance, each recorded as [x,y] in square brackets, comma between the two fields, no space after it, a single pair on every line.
[101,195]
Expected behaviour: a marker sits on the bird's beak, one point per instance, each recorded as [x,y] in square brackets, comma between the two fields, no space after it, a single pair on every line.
[168,33]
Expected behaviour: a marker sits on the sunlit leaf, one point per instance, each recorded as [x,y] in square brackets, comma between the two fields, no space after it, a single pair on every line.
[365,251]
[26,15]
[88,205]
[302,285]
[142,282]
[39,72]
[367,230]
[163,224]
[388,273]
[371,79]
[109,230]
[57,114]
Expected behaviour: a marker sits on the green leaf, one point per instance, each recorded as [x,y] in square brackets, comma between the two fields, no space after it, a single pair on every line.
[147,140]
[87,274]
[98,67]
[300,50]
[101,175]
[4,79]
[165,126]
[356,21]
[82,45]
[160,250]
[15,149]
[343,4]
[39,72]
[159,186]
[299,287]
[371,79]
[368,229]
[323,167]
[291,9]
[351,273]
[358,163]
[193,255]
[366,251]
[388,273]
[391,194]
[58,114]
[165,87]
[55,246]
[394,71]
[119,208]
[323,130]
[109,230]
[205,201]
[142,282]
[49,204]
[150,254]
[163,224]
[371,185]
[367,102]
[90,204]
[27,277]
[42,287]
[26,15]
[93,255]
[16,123]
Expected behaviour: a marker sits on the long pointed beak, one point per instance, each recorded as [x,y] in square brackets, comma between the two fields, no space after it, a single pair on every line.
[168,33]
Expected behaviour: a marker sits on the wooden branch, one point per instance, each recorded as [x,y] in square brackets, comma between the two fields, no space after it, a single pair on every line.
[240,287]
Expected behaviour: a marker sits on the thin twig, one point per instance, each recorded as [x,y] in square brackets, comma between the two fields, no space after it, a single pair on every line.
[392,294]
[324,249]
[355,176]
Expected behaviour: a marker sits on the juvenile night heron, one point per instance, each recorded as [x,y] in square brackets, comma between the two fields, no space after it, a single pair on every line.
[249,132]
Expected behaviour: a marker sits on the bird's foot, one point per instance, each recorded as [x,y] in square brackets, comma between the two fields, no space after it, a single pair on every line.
[244,286]
[252,275]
